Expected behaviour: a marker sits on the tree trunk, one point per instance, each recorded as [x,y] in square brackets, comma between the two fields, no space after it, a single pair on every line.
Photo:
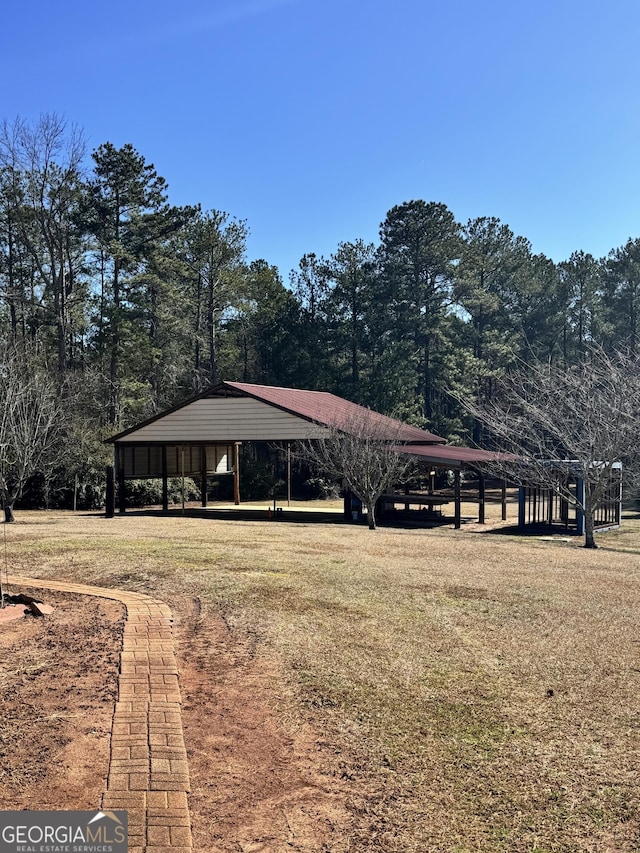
[589,537]
[371,515]
[590,503]
[8,513]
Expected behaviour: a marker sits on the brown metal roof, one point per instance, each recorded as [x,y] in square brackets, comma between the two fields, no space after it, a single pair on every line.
[319,407]
[328,410]
[450,456]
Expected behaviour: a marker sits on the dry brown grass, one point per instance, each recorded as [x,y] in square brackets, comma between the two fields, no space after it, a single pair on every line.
[479,690]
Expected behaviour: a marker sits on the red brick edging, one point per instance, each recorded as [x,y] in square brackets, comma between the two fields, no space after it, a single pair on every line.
[148,770]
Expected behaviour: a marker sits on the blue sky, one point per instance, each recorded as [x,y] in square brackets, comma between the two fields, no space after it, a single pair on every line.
[311,118]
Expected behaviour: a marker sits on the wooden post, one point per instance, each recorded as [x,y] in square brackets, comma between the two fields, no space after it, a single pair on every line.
[182,475]
[522,498]
[456,491]
[203,471]
[288,473]
[122,498]
[236,473]
[110,503]
[504,500]
[618,500]
[165,479]
[481,504]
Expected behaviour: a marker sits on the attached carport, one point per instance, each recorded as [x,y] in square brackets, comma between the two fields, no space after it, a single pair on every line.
[457,459]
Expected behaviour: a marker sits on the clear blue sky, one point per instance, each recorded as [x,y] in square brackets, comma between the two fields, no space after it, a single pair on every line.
[311,118]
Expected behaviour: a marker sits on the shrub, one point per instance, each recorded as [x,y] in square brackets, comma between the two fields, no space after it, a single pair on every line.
[141,493]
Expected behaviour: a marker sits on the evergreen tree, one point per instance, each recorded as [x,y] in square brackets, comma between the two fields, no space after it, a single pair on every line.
[350,276]
[213,251]
[622,289]
[310,287]
[420,243]
[488,279]
[129,218]
[580,283]
[263,339]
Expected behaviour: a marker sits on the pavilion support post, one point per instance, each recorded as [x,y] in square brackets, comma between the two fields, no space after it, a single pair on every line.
[481,498]
[165,479]
[122,498]
[522,499]
[110,503]
[619,501]
[456,493]
[288,473]
[504,500]
[203,475]
[236,473]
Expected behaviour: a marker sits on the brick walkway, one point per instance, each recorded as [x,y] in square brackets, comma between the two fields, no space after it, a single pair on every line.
[148,771]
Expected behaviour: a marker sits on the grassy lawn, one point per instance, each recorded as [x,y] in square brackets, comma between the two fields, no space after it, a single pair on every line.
[481,689]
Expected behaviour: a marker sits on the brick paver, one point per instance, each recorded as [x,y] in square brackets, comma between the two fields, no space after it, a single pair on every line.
[148,770]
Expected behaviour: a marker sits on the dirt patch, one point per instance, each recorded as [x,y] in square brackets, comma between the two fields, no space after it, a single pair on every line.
[58,685]
[256,787]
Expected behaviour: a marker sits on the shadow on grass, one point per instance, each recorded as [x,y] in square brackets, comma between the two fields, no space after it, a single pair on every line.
[291,516]
[532,531]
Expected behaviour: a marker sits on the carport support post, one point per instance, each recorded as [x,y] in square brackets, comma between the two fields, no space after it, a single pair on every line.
[236,473]
[165,479]
[203,473]
[504,500]
[456,492]
[480,497]
[521,508]
[110,503]
[122,499]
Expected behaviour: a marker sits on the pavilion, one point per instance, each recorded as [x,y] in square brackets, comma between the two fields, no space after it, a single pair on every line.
[203,435]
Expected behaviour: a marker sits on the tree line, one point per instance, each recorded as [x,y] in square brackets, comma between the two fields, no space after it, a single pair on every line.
[125,304]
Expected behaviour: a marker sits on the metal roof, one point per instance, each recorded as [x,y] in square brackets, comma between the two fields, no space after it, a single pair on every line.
[451,456]
[331,411]
[319,407]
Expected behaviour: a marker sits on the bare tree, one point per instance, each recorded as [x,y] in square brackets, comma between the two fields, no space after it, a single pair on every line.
[41,167]
[577,421]
[364,454]
[30,424]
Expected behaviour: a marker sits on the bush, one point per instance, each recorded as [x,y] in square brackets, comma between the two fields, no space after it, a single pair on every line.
[141,493]
[320,487]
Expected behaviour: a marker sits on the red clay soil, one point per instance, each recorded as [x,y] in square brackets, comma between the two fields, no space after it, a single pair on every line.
[58,685]
[256,787]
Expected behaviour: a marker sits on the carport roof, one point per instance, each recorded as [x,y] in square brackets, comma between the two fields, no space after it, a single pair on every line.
[328,410]
[317,407]
[451,456]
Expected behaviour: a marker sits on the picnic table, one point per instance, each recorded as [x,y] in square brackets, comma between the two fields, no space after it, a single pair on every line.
[431,503]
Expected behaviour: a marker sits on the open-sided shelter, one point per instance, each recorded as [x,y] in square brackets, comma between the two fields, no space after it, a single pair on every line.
[202,435]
